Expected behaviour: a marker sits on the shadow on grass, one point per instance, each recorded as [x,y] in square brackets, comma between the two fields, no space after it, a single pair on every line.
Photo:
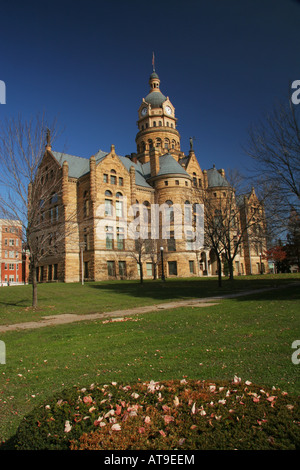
[181,289]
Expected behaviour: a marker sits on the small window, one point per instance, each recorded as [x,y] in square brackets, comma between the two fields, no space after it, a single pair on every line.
[86,270]
[109,237]
[120,238]
[105,178]
[166,183]
[122,269]
[177,182]
[192,267]
[111,270]
[149,269]
[113,179]
[54,198]
[121,181]
[55,269]
[172,268]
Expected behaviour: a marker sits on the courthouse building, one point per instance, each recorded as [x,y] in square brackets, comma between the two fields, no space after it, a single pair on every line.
[158,172]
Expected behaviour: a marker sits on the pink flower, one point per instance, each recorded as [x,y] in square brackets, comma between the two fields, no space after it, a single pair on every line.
[141,430]
[162,433]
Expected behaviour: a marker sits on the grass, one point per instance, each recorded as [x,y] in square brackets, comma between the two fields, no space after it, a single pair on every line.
[59,298]
[250,337]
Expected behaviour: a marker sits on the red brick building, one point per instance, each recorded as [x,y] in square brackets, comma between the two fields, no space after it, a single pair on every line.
[13,265]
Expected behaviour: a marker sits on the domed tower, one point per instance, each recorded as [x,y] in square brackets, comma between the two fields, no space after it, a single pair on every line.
[157,124]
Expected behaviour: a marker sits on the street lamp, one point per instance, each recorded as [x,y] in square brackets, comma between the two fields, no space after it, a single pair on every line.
[260,263]
[162,263]
[82,246]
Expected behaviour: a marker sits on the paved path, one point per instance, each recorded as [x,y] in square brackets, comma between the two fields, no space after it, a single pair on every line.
[52,320]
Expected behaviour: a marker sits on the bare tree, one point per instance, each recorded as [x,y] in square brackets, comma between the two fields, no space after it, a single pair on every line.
[274,146]
[32,189]
[230,221]
[142,246]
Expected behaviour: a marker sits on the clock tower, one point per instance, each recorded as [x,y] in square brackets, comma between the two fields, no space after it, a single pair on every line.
[157,124]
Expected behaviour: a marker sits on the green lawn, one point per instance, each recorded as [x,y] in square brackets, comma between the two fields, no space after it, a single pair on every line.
[248,336]
[58,298]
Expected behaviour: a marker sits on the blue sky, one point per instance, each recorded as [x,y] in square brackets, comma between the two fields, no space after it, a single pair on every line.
[223,64]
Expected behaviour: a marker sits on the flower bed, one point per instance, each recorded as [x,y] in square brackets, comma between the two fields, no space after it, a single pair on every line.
[183,415]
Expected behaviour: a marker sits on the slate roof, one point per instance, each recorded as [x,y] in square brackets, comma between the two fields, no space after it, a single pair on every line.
[215,179]
[167,166]
[155,98]
[79,166]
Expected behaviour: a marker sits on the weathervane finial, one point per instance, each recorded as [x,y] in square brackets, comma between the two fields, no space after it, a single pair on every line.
[153,63]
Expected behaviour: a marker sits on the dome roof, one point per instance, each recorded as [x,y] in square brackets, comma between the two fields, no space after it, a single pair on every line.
[155,98]
[215,179]
[154,75]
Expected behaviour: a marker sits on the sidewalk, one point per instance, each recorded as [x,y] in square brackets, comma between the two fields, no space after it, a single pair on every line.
[116,315]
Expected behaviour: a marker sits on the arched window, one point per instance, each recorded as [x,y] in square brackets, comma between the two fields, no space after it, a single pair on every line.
[108,203]
[170,211]
[188,212]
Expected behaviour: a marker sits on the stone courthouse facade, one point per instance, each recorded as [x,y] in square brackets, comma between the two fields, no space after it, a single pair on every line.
[96,196]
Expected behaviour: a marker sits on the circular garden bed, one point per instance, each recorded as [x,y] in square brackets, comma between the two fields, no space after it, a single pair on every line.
[168,415]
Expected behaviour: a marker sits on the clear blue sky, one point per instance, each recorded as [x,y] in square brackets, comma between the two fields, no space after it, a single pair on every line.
[223,63]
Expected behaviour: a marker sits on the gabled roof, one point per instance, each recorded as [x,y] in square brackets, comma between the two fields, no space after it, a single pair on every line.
[79,166]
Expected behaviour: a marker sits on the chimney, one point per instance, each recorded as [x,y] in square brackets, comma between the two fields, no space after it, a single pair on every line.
[205,182]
